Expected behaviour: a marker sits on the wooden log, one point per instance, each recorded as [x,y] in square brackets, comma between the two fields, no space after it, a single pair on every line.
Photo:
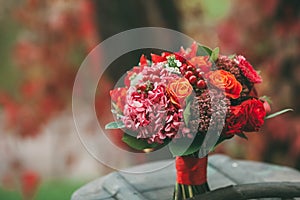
[285,190]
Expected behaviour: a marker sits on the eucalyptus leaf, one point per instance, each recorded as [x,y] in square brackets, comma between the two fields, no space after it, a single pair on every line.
[115,125]
[278,113]
[187,113]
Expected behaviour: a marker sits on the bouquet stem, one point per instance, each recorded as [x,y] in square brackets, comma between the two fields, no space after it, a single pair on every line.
[191,176]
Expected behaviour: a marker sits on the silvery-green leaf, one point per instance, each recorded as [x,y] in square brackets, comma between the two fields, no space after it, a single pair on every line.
[115,125]
[278,113]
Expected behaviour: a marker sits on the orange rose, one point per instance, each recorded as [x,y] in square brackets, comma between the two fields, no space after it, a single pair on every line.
[178,90]
[225,81]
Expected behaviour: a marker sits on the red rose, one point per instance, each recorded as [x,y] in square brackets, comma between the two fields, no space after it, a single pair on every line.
[235,121]
[255,113]
[248,116]
[247,69]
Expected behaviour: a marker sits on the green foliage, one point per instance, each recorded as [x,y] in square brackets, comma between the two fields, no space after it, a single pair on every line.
[58,189]
[55,189]
[114,125]
[9,195]
[266,98]
[214,54]
[242,135]
[214,10]
[141,144]
[204,51]
[134,79]
[9,73]
[181,147]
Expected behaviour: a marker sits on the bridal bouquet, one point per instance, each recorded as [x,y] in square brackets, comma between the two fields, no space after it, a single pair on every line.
[186,96]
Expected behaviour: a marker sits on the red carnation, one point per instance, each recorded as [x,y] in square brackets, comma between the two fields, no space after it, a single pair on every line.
[248,70]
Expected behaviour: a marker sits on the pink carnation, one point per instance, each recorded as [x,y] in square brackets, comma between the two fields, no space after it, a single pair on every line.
[149,114]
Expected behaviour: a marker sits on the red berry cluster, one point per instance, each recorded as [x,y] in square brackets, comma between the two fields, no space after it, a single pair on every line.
[194,75]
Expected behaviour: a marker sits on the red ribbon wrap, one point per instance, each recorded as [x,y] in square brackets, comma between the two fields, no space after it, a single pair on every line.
[191,171]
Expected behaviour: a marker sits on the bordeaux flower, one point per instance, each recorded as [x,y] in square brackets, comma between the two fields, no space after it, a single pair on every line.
[178,90]
[225,81]
[248,70]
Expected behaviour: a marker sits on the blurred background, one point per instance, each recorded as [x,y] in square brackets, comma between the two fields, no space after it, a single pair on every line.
[42,44]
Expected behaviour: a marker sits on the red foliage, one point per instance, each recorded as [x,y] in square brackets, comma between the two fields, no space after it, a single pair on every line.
[45,60]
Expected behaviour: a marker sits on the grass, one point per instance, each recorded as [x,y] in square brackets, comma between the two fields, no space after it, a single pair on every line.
[48,190]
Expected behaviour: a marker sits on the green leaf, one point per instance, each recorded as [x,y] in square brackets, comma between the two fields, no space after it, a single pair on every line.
[134,80]
[232,56]
[203,51]
[141,144]
[222,138]
[278,113]
[242,135]
[180,148]
[115,109]
[215,54]
[114,125]
[266,98]
[187,113]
